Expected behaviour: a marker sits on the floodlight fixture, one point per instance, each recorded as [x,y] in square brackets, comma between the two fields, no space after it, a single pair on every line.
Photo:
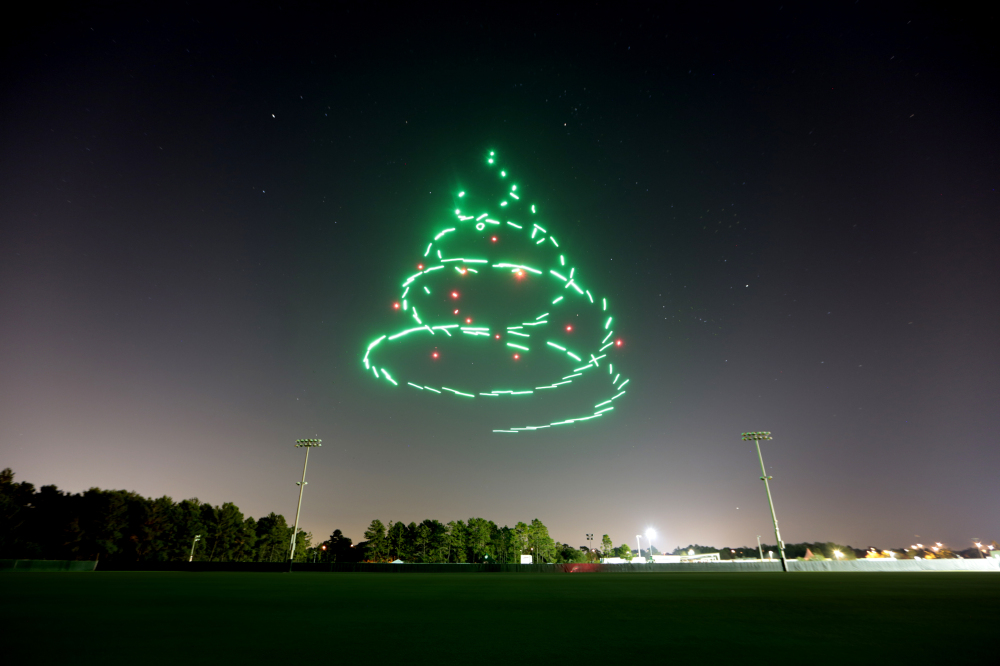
[755,437]
[306,444]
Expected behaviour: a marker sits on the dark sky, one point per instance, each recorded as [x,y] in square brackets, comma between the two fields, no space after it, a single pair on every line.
[206,215]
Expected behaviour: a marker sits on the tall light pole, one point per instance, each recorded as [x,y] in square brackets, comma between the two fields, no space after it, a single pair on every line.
[756,437]
[638,544]
[590,544]
[196,539]
[650,533]
[760,550]
[306,444]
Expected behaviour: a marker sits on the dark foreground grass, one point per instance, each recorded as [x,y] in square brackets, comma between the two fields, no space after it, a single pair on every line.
[139,617]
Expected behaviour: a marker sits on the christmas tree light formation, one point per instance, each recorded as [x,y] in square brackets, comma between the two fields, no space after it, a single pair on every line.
[502,243]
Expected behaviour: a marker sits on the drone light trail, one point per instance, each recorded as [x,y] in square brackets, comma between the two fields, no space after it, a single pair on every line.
[454,245]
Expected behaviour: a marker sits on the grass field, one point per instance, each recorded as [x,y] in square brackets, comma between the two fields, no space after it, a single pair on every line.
[181,618]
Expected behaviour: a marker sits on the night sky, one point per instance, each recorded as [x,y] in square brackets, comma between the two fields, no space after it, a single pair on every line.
[206,216]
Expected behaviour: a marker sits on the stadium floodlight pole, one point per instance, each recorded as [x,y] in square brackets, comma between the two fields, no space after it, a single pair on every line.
[590,543]
[979,547]
[306,444]
[649,534]
[760,551]
[638,543]
[756,437]
[196,539]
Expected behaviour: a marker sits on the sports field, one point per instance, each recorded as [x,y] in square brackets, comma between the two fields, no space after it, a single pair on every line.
[228,618]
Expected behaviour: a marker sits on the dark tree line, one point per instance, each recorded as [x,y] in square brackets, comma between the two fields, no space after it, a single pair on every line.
[122,526]
[475,540]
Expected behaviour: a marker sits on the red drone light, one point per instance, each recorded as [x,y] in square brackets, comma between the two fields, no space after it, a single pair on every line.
[618,343]
[456,311]
[497,336]
[494,239]
[517,356]
[420,267]
[468,320]
[434,355]
[569,329]
[454,294]
[519,273]
[395,306]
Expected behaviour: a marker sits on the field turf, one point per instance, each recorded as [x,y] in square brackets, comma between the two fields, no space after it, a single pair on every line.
[183,618]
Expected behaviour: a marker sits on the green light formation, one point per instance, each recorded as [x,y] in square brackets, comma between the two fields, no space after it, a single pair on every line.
[567,291]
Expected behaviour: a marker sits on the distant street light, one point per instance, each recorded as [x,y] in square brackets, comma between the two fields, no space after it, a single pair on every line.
[306,444]
[756,437]
[638,543]
[650,533]
[197,538]
[838,554]
[979,547]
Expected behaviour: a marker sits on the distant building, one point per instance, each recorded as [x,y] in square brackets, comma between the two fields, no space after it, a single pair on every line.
[665,559]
